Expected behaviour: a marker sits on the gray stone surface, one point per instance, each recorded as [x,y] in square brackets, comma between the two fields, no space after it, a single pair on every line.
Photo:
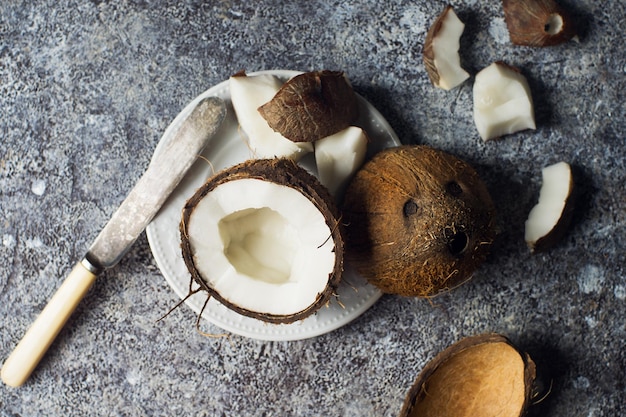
[87,89]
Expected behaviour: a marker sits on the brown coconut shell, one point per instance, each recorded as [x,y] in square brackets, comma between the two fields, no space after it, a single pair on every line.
[285,172]
[483,375]
[419,221]
[537,22]
[311,106]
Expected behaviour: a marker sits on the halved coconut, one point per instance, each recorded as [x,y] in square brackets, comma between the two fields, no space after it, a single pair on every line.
[264,239]
[441,51]
[482,375]
[548,221]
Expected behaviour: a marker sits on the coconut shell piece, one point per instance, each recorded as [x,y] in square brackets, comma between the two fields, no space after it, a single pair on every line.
[554,211]
[537,22]
[311,106]
[419,221]
[482,375]
[285,172]
[442,61]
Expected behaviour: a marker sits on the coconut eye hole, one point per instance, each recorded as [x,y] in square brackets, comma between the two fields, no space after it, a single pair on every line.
[454,189]
[554,24]
[457,242]
[410,208]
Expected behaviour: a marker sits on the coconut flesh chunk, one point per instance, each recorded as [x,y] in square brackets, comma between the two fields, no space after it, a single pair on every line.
[554,197]
[265,237]
[248,93]
[502,101]
[339,156]
[445,43]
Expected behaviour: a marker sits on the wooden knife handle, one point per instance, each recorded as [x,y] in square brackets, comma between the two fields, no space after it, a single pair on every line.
[29,351]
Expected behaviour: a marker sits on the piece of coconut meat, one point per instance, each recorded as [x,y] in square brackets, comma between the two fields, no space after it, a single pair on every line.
[339,156]
[248,93]
[502,101]
[441,51]
[548,219]
[264,247]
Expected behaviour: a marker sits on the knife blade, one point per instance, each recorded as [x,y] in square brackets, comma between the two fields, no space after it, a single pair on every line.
[163,174]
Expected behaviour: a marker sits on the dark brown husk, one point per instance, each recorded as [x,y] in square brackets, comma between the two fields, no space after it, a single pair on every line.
[311,106]
[419,221]
[284,172]
[420,389]
[528,22]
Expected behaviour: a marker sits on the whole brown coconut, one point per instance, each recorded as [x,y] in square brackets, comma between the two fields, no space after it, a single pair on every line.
[419,221]
[271,247]
[483,375]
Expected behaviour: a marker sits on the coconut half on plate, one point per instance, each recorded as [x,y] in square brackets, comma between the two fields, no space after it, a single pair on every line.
[264,238]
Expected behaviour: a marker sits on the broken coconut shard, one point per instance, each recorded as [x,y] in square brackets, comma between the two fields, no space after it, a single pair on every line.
[312,105]
[248,92]
[306,106]
[418,221]
[264,238]
[548,221]
[485,368]
[502,101]
[537,22]
[441,51]
[339,156]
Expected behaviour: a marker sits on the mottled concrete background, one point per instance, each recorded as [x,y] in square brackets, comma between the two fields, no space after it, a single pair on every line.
[86,91]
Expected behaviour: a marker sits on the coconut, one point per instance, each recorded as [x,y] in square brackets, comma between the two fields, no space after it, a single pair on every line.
[419,221]
[484,375]
[503,101]
[441,51]
[311,106]
[339,156]
[550,218]
[264,239]
[538,22]
[247,93]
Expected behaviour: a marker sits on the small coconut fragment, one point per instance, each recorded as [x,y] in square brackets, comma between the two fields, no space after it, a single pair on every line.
[264,238]
[502,101]
[484,375]
[537,22]
[441,51]
[418,221]
[248,92]
[311,106]
[339,156]
[549,219]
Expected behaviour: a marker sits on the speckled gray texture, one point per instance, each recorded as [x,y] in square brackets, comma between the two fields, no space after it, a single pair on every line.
[87,89]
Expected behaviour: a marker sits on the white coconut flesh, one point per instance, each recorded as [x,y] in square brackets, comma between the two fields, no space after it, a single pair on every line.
[445,47]
[502,102]
[339,156]
[555,190]
[250,92]
[262,246]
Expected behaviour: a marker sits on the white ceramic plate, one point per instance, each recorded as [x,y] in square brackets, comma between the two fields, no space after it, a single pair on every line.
[228,148]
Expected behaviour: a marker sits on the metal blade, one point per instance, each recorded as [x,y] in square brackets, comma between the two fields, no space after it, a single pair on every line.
[164,173]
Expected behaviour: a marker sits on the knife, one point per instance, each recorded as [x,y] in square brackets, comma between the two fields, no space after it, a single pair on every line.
[164,173]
